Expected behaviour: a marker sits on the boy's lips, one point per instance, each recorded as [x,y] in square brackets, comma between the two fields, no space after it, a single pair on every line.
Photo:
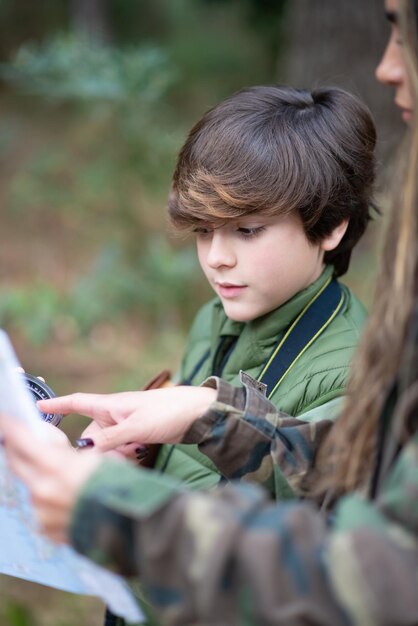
[230,290]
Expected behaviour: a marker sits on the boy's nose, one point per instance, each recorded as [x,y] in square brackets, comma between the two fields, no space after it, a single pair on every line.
[221,252]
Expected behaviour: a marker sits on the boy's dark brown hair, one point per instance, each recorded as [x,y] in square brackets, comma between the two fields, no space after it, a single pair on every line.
[278,150]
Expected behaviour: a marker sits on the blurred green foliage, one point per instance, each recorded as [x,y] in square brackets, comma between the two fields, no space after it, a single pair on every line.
[115,96]
[15,614]
[158,286]
[159,283]
[72,67]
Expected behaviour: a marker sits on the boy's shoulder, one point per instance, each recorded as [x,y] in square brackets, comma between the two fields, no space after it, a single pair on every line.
[321,374]
[354,314]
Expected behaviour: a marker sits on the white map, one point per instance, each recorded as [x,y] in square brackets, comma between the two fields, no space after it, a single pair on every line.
[24,553]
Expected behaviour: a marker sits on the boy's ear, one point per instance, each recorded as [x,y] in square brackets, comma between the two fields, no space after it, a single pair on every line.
[333,239]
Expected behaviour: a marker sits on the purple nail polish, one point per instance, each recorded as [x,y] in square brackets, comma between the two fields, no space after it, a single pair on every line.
[141,452]
[84,443]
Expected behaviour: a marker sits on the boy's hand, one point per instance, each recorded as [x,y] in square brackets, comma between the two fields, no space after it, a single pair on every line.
[153,416]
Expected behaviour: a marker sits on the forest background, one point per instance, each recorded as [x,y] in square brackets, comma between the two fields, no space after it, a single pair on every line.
[96,98]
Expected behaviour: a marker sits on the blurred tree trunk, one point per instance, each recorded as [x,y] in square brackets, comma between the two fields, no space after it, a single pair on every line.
[340,42]
[90,18]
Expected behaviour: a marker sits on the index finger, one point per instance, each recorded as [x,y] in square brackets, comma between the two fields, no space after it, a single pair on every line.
[89,404]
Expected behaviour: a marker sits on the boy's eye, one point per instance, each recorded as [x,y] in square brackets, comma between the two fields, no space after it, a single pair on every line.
[247,233]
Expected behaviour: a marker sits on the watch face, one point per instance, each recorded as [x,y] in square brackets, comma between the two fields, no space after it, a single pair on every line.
[40,391]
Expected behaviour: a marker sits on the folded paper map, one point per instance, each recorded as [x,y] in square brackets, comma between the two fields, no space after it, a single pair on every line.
[24,552]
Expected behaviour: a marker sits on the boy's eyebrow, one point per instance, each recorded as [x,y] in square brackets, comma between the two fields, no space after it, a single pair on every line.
[392,16]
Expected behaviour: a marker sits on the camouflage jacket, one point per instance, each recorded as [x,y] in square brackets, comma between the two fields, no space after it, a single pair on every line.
[233,556]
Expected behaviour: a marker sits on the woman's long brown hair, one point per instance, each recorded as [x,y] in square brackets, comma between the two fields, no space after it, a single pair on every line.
[350,446]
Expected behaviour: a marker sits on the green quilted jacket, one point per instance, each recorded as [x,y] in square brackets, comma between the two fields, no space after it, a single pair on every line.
[318,377]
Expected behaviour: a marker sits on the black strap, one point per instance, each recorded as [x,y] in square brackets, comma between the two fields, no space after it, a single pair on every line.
[307,327]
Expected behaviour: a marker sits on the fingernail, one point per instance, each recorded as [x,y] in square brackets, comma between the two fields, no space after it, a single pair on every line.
[141,452]
[84,443]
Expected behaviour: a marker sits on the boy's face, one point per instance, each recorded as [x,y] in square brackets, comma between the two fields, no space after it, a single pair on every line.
[392,69]
[255,264]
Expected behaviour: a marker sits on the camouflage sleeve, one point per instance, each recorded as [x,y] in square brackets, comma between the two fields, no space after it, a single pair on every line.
[249,439]
[233,556]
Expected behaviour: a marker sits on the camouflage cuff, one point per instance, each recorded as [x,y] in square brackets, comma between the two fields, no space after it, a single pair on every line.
[227,394]
[231,402]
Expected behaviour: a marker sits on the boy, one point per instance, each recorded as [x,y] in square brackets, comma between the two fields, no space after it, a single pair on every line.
[276,183]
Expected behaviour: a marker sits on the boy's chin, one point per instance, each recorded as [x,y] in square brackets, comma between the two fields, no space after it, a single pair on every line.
[242,314]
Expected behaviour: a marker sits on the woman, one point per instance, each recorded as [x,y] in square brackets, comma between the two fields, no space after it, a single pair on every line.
[233,556]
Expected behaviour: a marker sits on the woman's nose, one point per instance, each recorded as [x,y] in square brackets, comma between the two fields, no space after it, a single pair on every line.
[390,70]
[221,251]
